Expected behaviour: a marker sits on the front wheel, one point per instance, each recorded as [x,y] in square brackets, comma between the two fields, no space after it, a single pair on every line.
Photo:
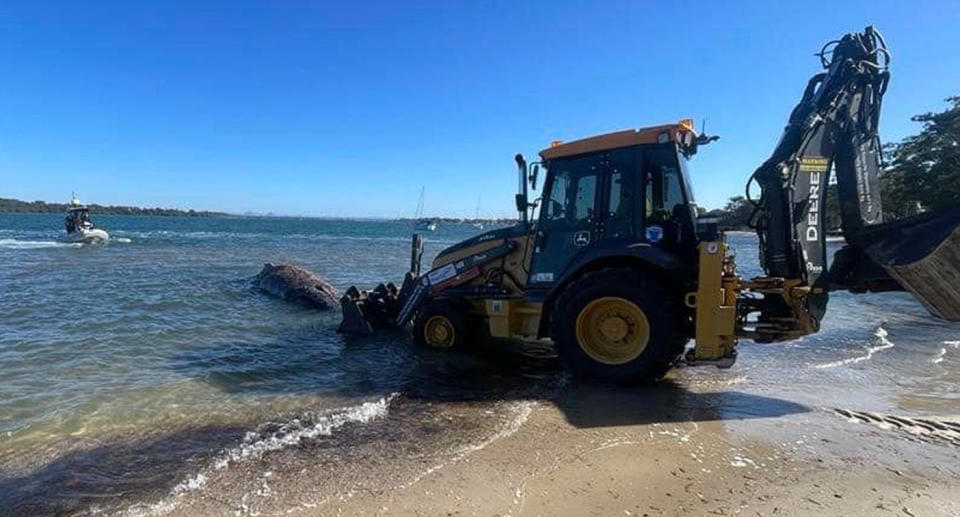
[440,324]
[618,325]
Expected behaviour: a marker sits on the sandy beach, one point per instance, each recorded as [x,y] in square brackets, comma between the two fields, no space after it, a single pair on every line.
[685,447]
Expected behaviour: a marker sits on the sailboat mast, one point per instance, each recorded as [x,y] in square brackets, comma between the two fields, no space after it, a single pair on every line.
[419,213]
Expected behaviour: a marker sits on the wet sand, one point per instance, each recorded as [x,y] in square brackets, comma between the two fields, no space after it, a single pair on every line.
[694,445]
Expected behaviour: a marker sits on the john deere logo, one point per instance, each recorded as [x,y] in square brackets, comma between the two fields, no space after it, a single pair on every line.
[581,238]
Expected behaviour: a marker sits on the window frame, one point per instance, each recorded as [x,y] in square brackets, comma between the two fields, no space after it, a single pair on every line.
[578,173]
[645,176]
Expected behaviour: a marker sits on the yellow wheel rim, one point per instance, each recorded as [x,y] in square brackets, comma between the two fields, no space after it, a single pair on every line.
[613,330]
[439,332]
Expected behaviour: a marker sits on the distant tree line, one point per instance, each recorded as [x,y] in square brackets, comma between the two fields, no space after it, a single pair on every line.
[15,205]
[921,173]
[735,215]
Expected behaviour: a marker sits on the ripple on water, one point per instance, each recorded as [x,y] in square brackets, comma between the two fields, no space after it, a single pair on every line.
[882,344]
[17,244]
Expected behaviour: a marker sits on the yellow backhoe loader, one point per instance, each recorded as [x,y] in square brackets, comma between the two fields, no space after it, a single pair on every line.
[618,270]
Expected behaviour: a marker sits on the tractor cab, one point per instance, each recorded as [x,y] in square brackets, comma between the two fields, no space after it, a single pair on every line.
[624,193]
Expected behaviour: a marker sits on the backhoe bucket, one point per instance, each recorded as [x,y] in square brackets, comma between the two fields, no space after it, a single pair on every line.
[921,253]
[367,311]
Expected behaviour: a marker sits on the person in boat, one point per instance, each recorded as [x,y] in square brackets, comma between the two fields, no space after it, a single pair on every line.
[78,220]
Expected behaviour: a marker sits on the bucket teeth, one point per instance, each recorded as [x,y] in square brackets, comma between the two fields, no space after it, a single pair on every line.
[409,280]
[354,321]
[367,311]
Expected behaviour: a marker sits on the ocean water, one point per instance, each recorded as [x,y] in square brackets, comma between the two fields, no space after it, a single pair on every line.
[162,323]
[154,348]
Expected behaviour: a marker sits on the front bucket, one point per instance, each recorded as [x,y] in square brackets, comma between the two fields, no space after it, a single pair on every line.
[922,254]
[367,311]
[354,320]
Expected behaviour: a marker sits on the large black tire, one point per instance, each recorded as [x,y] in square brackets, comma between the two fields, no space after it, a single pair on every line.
[601,293]
[441,324]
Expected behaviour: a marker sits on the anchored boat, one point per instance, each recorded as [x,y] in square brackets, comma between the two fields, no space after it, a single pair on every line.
[424,224]
[80,227]
[476,217]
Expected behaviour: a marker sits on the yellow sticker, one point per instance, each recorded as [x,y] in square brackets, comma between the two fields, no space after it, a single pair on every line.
[814,164]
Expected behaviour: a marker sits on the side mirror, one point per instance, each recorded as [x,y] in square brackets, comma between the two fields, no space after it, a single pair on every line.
[521,201]
[533,176]
[704,139]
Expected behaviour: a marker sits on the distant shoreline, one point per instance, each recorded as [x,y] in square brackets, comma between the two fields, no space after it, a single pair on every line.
[460,220]
[41,207]
[17,206]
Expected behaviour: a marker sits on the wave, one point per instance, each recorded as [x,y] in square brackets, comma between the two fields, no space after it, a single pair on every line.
[256,444]
[15,232]
[271,438]
[943,350]
[14,244]
[884,343]
[939,358]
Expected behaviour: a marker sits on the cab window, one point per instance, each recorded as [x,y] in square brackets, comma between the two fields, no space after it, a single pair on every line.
[554,205]
[571,201]
[586,196]
[664,192]
[620,207]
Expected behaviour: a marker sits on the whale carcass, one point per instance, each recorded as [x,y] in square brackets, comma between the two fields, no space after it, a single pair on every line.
[295,284]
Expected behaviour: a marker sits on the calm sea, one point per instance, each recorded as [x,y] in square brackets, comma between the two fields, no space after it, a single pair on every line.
[158,334]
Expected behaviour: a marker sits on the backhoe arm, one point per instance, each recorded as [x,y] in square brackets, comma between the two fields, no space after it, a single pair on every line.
[834,130]
[834,127]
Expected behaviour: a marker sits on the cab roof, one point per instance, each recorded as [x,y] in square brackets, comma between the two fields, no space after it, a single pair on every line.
[676,133]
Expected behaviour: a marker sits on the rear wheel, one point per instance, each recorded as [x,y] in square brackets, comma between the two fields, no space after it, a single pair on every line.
[440,325]
[618,325]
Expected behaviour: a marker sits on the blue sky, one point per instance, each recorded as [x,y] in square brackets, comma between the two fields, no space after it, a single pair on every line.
[346,110]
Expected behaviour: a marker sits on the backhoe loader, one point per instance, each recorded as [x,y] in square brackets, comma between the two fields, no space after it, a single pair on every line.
[613,264]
